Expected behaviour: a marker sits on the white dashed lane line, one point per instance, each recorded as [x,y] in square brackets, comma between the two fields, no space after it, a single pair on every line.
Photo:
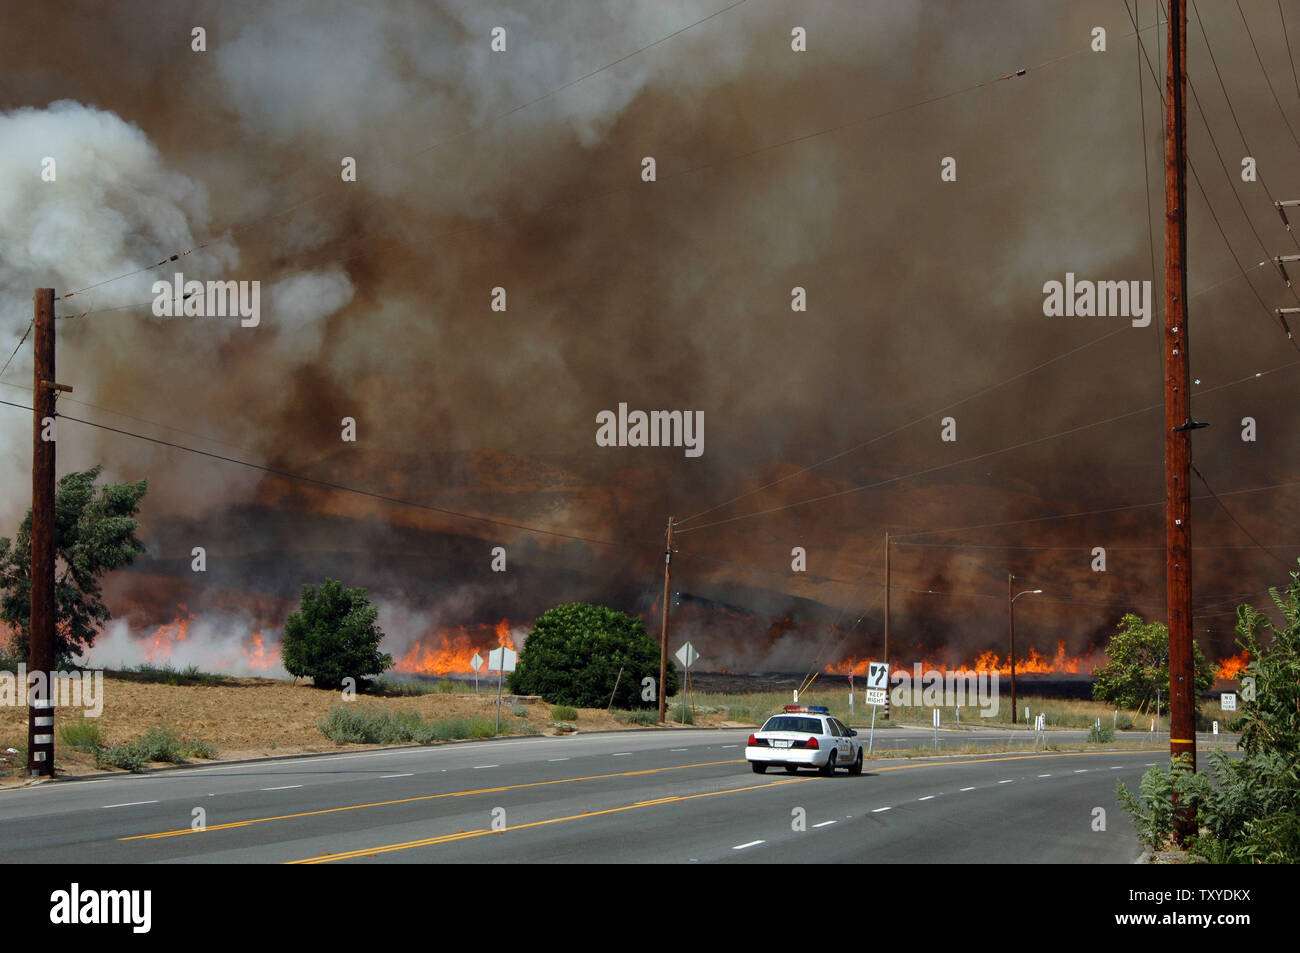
[928,797]
[386,776]
[621,754]
[879,809]
[731,746]
[753,843]
[1008,781]
[824,824]
[1081,771]
[283,787]
[968,789]
[557,759]
[1044,775]
[480,767]
[129,804]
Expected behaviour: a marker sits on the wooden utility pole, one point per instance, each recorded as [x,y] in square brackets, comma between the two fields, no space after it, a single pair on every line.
[40,704]
[1178,422]
[663,624]
[885,715]
[1011,623]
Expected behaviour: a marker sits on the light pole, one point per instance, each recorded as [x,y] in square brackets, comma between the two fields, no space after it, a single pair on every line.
[1011,619]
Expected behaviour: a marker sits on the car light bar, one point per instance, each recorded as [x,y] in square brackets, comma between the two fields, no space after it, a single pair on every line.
[808,709]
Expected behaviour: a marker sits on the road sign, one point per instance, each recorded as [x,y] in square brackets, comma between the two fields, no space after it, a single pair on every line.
[476,662]
[687,655]
[877,692]
[1228,701]
[496,657]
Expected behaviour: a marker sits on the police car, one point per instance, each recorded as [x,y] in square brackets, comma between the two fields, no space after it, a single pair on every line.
[804,737]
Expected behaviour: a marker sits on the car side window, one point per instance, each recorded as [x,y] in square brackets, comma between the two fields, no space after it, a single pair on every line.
[836,728]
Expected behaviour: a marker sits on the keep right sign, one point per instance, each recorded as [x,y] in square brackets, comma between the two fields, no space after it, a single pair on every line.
[877,683]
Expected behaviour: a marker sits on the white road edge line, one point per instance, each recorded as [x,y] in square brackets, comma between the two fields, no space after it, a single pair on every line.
[127,804]
[753,843]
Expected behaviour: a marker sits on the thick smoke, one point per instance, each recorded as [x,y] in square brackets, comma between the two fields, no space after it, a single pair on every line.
[666,295]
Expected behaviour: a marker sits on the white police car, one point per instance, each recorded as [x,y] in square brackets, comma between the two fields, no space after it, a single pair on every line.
[804,737]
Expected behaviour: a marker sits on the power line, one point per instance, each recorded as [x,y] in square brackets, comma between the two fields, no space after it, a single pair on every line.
[971,459]
[1260,61]
[1224,507]
[17,346]
[1287,40]
[288,475]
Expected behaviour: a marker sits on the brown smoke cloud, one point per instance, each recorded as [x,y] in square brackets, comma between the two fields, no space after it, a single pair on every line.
[666,295]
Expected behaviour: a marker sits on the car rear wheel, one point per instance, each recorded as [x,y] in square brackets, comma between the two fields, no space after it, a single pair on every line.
[857,765]
[828,768]
[759,767]
[792,769]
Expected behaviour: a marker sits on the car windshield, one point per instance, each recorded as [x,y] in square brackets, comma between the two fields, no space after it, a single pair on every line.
[791,723]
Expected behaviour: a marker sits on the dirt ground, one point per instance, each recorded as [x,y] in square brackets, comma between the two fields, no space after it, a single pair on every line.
[255,718]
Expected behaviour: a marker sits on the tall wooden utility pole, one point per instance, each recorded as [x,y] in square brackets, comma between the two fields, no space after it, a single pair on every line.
[663,624]
[885,715]
[1178,422]
[1011,624]
[40,704]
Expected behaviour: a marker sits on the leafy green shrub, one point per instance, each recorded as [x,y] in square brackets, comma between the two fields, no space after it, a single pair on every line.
[333,636]
[1251,813]
[1101,735]
[564,713]
[80,735]
[575,653]
[639,717]
[683,714]
[359,724]
[127,756]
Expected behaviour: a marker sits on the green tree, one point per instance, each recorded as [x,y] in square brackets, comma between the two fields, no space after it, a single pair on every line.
[1139,664]
[94,533]
[333,636]
[575,652]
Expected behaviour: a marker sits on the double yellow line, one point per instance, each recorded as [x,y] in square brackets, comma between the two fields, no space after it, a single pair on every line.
[423,797]
[464,835]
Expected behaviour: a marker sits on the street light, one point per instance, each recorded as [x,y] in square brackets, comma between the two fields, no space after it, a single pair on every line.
[1011,618]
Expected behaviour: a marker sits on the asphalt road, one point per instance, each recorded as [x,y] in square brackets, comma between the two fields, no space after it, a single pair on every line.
[625,797]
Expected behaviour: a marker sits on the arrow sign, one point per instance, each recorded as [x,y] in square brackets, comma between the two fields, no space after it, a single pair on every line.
[476,662]
[687,655]
[502,660]
[878,675]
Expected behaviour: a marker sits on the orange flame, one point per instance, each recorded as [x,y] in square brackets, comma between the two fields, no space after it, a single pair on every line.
[448,651]
[1032,664]
[167,637]
[1232,666]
